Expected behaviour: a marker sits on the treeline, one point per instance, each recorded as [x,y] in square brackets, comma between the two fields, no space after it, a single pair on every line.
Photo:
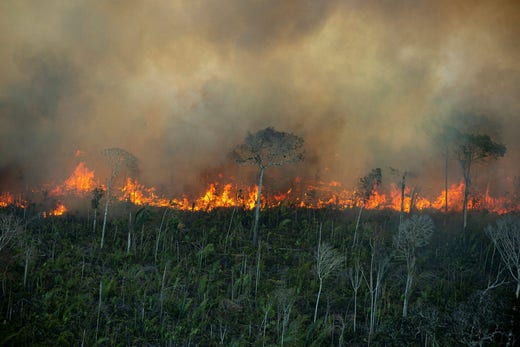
[172,278]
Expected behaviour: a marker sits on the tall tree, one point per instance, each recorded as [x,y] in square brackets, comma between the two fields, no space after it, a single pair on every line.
[328,259]
[413,233]
[10,227]
[118,160]
[97,194]
[506,238]
[267,148]
[402,187]
[367,186]
[378,266]
[355,275]
[444,137]
[473,148]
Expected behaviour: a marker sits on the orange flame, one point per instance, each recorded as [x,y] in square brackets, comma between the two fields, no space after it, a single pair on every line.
[312,194]
[7,199]
[140,195]
[80,182]
[59,210]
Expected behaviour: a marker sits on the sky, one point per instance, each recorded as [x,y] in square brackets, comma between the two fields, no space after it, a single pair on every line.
[180,83]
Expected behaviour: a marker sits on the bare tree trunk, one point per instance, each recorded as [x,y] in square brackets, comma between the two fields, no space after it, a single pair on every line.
[162,293]
[403,186]
[159,235]
[26,270]
[467,183]
[257,277]
[129,240]
[375,282]
[106,213]
[99,308]
[257,207]
[354,241]
[410,264]
[94,222]
[372,298]
[318,299]
[446,157]
[355,281]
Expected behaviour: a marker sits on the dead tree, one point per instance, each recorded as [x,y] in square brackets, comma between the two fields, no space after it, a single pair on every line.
[118,160]
[267,148]
[402,187]
[413,233]
[327,261]
[97,194]
[10,227]
[444,137]
[355,277]
[367,187]
[374,281]
[473,148]
[506,238]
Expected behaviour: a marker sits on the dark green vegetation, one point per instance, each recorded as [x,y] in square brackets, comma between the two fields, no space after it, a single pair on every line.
[170,278]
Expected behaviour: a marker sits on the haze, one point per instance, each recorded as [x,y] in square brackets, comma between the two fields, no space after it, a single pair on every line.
[179,83]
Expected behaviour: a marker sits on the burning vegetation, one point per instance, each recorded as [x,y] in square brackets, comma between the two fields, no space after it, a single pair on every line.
[230,194]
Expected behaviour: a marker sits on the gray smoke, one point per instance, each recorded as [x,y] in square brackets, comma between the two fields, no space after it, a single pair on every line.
[179,83]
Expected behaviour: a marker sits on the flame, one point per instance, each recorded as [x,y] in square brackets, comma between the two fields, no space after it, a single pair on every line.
[59,210]
[7,199]
[304,194]
[80,182]
[140,195]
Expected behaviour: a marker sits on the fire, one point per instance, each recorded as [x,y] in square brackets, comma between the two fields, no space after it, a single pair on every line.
[80,182]
[7,199]
[140,195]
[303,194]
[59,210]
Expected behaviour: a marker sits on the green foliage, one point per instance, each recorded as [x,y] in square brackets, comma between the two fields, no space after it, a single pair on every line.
[207,295]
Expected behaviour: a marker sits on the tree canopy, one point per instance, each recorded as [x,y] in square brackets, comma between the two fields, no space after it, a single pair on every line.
[268,147]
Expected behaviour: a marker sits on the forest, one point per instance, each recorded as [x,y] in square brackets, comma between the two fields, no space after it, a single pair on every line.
[180,278]
[147,199]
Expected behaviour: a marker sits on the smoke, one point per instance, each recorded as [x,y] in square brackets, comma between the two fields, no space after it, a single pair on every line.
[179,83]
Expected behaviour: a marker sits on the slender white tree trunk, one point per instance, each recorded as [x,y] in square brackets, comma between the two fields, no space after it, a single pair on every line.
[467,183]
[94,222]
[355,281]
[99,308]
[106,213]
[318,300]
[354,241]
[403,186]
[517,293]
[26,270]
[409,282]
[257,207]
[446,183]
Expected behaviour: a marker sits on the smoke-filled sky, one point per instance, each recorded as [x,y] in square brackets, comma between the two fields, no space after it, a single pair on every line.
[179,83]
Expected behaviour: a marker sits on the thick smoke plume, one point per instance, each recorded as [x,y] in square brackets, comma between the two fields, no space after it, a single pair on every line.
[179,83]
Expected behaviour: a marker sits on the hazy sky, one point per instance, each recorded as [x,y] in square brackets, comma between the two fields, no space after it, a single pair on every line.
[179,83]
